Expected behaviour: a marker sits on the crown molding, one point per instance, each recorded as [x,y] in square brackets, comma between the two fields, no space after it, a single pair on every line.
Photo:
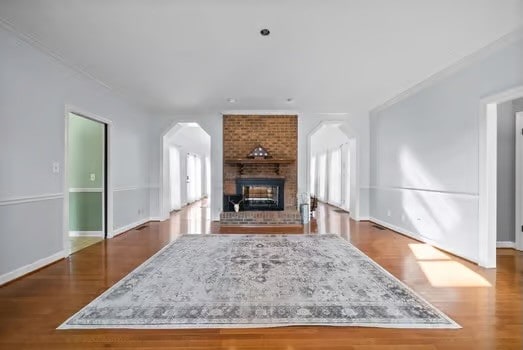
[31,40]
[260,112]
[476,56]
[35,43]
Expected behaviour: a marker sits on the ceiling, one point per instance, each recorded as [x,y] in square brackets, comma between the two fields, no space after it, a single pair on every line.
[190,138]
[189,57]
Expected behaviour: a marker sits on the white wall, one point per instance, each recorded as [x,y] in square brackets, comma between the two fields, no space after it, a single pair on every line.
[425,150]
[34,89]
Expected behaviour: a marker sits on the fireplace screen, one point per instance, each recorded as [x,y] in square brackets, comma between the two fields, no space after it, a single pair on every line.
[261,194]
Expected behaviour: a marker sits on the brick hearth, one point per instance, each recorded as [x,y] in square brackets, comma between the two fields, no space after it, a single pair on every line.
[287,217]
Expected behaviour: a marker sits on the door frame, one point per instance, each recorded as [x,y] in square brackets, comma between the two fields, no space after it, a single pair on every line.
[107,194]
[519,184]
[487,218]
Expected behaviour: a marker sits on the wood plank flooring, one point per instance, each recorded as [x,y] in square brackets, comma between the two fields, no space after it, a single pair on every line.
[487,303]
[79,243]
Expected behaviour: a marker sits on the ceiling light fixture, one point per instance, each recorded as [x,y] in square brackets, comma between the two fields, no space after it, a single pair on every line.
[265,32]
[289,100]
[231,100]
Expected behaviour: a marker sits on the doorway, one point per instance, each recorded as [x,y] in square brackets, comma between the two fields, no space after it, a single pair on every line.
[86,182]
[488,177]
[332,170]
[518,229]
[185,170]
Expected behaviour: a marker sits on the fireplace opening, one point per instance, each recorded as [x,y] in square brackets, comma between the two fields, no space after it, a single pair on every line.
[261,194]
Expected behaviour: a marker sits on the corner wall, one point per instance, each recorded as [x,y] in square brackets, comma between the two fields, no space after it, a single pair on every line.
[424,169]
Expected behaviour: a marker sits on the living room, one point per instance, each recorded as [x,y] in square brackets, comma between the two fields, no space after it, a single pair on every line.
[406,132]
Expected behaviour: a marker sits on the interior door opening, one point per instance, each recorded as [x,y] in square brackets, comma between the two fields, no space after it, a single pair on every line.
[87,181]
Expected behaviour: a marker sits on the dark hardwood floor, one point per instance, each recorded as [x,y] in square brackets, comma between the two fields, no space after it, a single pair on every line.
[487,303]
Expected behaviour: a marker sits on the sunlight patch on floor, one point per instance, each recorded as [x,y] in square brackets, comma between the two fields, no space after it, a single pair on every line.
[451,274]
[427,252]
[441,271]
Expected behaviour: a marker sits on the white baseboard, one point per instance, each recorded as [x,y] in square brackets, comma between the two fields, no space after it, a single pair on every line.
[363,218]
[420,238]
[24,270]
[505,244]
[125,228]
[157,218]
[86,234]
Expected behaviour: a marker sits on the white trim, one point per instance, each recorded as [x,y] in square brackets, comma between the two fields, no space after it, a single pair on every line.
[120,230]
[505,244]
[107,212]
[519,187]
[488,174]
[400,188]
[155,218]
[36,43]
[261,112]
[24,270]
[85,190]
[86,234]
[453,68]
[30,199]
[420,238]
[132,188]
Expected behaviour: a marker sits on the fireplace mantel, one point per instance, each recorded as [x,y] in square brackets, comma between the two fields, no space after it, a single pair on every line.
[271,161]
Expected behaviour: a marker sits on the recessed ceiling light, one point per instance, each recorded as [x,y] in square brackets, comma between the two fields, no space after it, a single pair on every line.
[265,32]
[231,100]
[289,100]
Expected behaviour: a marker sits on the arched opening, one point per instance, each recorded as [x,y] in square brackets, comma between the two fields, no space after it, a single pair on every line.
[185,167]
[333,166]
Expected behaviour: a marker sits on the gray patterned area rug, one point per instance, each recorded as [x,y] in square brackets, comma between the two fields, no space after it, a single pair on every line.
[233,281]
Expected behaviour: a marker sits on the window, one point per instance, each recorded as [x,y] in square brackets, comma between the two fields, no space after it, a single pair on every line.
[322,169]
[335,176]
[312,185]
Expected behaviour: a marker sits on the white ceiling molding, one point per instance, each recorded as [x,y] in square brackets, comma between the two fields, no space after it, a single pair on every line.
[28,38]
[260,112]
[346,56]
[502,42]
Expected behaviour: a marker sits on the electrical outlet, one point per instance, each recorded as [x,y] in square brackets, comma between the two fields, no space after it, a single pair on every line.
[402,217]
[56,167]
[389,214]
[92,177]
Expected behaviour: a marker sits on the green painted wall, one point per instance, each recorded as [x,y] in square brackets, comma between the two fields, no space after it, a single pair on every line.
[85,211]
[86,142]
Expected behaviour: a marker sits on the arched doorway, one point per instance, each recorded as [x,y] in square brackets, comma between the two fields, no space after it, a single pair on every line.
[185,167]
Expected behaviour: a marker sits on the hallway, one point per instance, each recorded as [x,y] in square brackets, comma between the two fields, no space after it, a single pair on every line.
[472,296]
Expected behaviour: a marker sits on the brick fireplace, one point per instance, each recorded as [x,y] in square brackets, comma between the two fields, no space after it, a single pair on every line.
[262,184]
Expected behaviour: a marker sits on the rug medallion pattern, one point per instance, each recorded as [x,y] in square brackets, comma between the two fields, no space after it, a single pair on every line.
[218,281]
